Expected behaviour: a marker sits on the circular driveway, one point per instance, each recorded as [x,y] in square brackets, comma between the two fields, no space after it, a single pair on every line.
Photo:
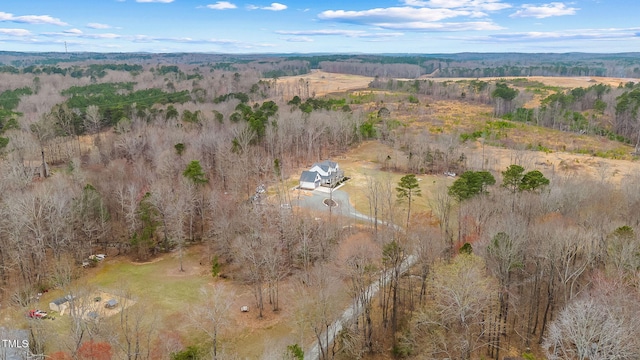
[315,200]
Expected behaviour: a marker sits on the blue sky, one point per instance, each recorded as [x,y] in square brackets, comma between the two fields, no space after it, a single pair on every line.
[288,26]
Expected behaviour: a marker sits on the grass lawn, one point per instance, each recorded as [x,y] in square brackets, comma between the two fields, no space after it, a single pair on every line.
[362,163]
[161,279]
[158,285]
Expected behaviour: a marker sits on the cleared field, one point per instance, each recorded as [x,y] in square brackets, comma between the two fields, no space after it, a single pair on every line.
[559,81]
[321,83]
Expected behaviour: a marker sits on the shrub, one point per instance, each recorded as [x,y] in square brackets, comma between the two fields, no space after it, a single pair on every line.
[190,353]
[215,266]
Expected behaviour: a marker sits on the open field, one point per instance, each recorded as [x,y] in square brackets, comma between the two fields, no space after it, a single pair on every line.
[166,296]
[559,81]
[322,83]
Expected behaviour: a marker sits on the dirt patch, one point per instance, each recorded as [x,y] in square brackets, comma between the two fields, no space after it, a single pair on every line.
[137,263]
[560,163]
[319,83]
[187,271]
[251,336]
[95,304]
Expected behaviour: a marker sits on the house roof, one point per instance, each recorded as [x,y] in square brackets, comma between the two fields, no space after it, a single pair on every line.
[92,315]
[112,302]
[326,166]
[308,176]
[327,163]
[62,300]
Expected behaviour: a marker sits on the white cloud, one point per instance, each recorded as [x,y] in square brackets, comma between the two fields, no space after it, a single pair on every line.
[15,32]
[183,40]
[330,32]
[393,14]
[98,26]
[299,39]
[221,5]
[442,26]
[544,11]
[477,5]
[335,32]
[276,7]
[76,33]
[424,15]
[32,19]
[103,36]
[577,34]
[273,7]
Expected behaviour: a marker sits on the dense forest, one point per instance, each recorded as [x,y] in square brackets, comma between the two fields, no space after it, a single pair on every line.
[139,156]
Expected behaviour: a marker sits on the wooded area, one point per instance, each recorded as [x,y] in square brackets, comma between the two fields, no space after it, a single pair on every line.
[142,160]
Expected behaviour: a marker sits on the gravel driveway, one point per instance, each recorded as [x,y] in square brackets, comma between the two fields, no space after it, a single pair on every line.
[314,200]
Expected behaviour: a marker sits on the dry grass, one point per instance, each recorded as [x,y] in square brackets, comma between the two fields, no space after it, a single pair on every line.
[559,81]
[322,83]
[366,161]
[92,304]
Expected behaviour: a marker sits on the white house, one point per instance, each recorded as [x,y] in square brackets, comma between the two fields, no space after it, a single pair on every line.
[324,173]
[325,168]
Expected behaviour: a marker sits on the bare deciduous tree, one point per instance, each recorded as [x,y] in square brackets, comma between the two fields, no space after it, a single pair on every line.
[212,315]
[134,327]
[361,265]
[319,307]
[462,297]
[593,329]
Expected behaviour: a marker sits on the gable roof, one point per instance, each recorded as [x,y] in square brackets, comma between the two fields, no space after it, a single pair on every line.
[326,166]
[327,163]
[309,176]
[62,300]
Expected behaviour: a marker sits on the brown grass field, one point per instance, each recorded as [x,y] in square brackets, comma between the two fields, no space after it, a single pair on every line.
[559,81]
[323,83]
[566,150]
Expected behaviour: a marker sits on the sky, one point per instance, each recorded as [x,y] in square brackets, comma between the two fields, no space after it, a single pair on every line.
[295,26]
